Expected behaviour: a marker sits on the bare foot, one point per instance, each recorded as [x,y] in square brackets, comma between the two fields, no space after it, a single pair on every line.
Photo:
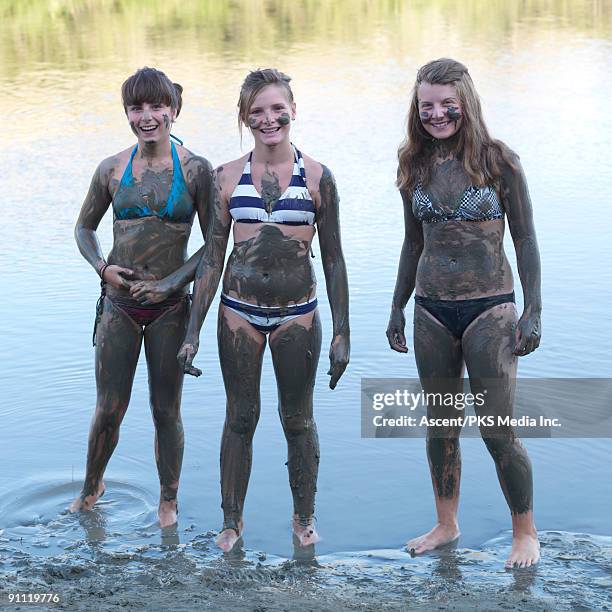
[86,502]
[229,536]
[305,531]
[167,513]
[525,551]
[440,535]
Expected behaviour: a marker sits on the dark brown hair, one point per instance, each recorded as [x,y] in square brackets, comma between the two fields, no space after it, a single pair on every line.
[480,154]
[153,86]
[255,81]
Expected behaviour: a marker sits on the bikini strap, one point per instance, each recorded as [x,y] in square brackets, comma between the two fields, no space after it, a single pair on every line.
[128,177]
[178,183]
[299,160]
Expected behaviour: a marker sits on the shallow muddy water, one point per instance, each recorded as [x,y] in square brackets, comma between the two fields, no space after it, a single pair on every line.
[542,70]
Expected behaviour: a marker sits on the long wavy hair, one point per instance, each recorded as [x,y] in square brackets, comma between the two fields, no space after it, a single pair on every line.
[480,154]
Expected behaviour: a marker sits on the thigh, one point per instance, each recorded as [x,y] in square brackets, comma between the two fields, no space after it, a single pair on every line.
[118,342]
[438,354]
[488,345]
[296,346]
[163,339]
[241,349]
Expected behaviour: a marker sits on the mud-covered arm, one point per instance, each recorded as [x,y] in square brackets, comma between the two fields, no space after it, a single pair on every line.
[199,177]
[334,267]
[406,276]
[517,204]
[96,203]
[208,272]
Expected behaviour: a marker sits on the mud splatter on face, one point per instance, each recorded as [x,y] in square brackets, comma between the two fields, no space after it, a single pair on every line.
[284,119]
[254,123]
[166,121]
[425,116]
[453,113]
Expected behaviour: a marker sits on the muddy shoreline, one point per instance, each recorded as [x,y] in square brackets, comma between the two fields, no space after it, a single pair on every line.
[575,572]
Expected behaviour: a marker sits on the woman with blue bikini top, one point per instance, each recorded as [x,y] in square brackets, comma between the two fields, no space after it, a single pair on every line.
[156,188]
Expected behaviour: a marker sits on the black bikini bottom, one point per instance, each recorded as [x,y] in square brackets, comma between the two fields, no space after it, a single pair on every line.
[456,315]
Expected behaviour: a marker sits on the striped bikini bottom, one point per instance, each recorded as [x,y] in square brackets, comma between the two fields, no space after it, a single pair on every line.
[267,318]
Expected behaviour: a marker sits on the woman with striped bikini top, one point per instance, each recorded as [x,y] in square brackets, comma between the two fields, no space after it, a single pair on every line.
[274,195]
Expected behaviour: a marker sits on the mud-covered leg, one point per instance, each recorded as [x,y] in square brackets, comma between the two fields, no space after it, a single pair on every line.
[488,345]
[295,348]
[241,349]
[163,339]
[117,350]
[440,364]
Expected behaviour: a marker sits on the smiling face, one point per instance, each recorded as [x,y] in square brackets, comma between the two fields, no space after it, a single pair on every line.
[439,109]
[150,121]
[270,115]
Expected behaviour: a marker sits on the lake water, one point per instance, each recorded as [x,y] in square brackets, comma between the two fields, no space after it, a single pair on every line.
[542,70]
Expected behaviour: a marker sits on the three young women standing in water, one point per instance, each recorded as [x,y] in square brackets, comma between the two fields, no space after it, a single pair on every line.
[457,183]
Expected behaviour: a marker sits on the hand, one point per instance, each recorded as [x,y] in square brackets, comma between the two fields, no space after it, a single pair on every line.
[338,358]
[185,356]
[118,277]
[528,333]
[395,331]
[150,292]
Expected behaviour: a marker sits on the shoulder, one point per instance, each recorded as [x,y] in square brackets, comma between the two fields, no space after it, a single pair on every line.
[314,171]
[193,163]
[509,161]
[229,173]
[319,178]
[113,165]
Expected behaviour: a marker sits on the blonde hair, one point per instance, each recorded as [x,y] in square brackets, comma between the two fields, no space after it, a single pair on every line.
[480,154]
[254,82]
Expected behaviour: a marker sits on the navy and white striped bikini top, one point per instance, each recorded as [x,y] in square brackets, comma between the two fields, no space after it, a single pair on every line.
[475,204]
[294,207]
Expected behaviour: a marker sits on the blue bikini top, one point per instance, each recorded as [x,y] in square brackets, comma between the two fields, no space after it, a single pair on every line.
[475,204]
[294,207]
[129,203]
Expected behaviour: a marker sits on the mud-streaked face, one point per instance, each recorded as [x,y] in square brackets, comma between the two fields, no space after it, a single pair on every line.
[439,109]
[270,115]
[151,121]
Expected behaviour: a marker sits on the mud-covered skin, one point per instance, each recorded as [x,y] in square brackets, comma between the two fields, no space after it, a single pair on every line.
[144,248]
[270,269]
[295,353]
[456,260]
[460,260]
[270,189]
[270,266]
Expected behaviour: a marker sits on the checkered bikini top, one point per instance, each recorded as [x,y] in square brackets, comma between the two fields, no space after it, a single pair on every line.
[475,204]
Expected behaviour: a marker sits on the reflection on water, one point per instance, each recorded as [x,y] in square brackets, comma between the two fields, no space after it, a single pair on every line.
[353,63]
[65,33]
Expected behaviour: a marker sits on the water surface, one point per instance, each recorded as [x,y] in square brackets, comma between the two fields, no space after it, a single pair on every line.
[542,69]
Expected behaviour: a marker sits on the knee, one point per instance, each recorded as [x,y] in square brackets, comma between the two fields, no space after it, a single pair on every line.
[243,423]
[109,413]
[297,425]
[499,443]
[167,414]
